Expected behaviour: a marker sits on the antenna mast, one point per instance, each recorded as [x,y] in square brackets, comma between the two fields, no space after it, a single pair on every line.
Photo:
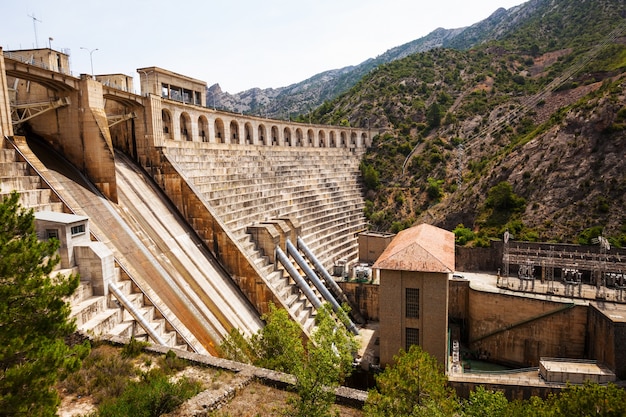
[35,20]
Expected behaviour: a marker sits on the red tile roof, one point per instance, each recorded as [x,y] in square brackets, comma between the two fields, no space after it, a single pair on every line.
[423,248]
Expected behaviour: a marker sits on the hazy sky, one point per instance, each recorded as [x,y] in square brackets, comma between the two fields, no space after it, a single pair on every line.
[239,44]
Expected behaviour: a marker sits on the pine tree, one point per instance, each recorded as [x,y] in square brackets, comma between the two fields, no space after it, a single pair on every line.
[414,385]
[34,318]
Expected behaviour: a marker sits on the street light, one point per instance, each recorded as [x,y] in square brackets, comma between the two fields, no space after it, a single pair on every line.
[91,51]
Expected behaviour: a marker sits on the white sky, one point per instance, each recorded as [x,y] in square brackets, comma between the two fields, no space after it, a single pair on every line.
[239,44]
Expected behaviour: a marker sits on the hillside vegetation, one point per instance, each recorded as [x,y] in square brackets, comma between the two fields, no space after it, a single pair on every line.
[526,132]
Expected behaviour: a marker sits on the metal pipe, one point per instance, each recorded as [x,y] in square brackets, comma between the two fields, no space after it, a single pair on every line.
[300,282]
[136,315]
[291,250]
[334,288]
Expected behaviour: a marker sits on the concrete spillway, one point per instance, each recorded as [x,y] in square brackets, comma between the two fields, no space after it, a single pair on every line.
[159,251]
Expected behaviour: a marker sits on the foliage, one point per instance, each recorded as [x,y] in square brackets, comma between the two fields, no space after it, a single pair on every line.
[120,388]
[278,346]
[482,403]
[152,396]
[133,348]
[434,189]
[501,204]
[414,386]
[586,236]
[319,368]
[590,399]
[370,176]
[104,374]
[326,365]
[463,235]
[34,318]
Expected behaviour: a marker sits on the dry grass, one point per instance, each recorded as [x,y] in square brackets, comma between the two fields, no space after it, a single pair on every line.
[261,400]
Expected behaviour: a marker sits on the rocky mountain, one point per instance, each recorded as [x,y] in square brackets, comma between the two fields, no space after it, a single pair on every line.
[525,132]
[300,98]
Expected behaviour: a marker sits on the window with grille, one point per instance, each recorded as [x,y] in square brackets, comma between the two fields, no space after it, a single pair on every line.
[412,302]
[77,230]
[412,337]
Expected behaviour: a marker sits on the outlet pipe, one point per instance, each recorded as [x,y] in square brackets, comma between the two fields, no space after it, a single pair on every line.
[291,250]
[136,314]
[330,282]
[300,282]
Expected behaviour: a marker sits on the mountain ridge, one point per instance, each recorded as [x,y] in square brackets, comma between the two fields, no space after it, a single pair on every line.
[526,132]
[299,98]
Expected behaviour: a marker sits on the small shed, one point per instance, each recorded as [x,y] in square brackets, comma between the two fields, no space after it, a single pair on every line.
[70,229]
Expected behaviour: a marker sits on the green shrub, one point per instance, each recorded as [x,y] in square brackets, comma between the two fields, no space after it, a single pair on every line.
[463,235]
[152,396]
[133,348]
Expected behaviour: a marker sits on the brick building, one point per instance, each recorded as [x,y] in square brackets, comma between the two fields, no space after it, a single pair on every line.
[414,271]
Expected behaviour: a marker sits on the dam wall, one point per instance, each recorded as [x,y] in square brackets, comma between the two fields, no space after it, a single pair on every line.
[224,189]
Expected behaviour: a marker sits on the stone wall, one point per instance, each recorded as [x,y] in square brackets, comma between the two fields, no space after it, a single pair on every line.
[607,338]
[518,330]
[511,391]
[479,259]
[364,297]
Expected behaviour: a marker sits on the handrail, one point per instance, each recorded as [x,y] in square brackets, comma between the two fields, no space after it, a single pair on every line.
[136,315]
[32,61]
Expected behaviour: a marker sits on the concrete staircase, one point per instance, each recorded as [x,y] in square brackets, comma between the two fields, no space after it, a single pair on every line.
[95,315]
[15,174]
[104,315]
[319,189]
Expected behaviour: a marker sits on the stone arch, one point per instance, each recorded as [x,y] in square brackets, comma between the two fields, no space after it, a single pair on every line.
[299,136]
[274,136]
[248,133]
[332,141]
[343,142]
[353,140]
[203,128]
[363,140]
[310,135]
[262,134]
[287,136]
[234,132]
[322,139]
[185,127]
[166,119]
[219,131]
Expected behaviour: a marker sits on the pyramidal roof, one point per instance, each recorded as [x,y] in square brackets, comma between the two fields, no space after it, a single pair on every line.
[422,248]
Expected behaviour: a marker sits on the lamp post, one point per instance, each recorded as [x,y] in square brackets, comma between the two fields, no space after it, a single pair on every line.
[91,51]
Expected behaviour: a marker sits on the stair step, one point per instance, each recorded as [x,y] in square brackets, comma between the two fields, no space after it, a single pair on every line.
[88,308]
[19,183]
[102,322]
[83,292]
[7,155]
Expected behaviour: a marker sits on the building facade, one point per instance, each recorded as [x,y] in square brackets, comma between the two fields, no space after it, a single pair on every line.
[414,271]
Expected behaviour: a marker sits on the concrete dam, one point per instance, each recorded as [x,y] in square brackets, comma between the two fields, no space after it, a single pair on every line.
[187,206]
